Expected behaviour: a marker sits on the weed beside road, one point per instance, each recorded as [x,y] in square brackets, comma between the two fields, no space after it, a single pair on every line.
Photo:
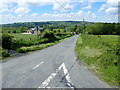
[100,53]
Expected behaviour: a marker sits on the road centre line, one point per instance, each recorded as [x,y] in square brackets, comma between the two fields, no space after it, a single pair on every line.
[38,65]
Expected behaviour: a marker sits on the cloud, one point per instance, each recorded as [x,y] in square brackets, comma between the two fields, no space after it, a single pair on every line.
[63,7]
[22,10]
[6,5]
[78,16]
[55,3]
[87,7]
[111,7]
[102,7]
[113,3]
[80,12]
[112,10]
[34,14]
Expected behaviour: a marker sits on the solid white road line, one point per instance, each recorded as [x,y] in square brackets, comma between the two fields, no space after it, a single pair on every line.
[38,65]
[67,76]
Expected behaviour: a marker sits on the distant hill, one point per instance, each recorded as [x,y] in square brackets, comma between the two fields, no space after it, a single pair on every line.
[29,24]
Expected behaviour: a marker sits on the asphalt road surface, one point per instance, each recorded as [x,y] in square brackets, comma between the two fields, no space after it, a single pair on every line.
[52,67]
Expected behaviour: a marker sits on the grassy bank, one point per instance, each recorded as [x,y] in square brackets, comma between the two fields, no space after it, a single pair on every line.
[37,47]
[23,43]
[100,53]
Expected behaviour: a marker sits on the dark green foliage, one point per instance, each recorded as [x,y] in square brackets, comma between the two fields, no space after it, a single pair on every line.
[103,29]
[117,28]
[5,53]
[8,31]
[7,41]
[80,29]
[14,31]
[49,35]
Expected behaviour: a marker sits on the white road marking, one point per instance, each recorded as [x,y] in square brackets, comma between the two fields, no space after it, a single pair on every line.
[47,81]
[67,76]
[38,65]
[69,82]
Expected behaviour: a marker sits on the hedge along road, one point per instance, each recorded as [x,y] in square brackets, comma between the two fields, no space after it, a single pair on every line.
[55,66]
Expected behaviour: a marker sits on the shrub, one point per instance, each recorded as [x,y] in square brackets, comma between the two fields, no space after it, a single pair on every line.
[49,35]
[7,41]
[8,31]
[14,31]
[3,53]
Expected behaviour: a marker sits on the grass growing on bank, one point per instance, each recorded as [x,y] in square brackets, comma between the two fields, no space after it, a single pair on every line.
[37,47]
[100,53]
[23,43]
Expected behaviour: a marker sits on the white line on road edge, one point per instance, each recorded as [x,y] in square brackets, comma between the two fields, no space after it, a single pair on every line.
[38,65]
[47,81]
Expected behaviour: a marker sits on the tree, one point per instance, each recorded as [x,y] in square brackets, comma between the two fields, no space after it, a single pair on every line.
[102,29]
[8,31]
[7,41]
[117,29]
[80,29]
[14,31]
[49,35]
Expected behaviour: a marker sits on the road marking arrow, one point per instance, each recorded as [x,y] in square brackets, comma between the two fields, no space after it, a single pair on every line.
[67,76]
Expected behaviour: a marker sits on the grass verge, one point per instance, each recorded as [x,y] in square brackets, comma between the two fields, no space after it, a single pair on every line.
[100,53]
[37,47]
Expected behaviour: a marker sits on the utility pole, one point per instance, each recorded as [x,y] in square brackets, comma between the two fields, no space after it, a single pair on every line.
[83,26]
[37,31]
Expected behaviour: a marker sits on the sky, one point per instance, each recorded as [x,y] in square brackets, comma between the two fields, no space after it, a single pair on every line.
[12,11]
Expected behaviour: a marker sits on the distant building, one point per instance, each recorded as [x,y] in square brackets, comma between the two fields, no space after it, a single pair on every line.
[34,30]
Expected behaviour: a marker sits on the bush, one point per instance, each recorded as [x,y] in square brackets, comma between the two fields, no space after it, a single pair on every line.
[7,41]
[3,53]
[49,35]
[14,31]
[8,31]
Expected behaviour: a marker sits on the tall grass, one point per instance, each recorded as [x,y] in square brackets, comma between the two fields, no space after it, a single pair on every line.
[100,52]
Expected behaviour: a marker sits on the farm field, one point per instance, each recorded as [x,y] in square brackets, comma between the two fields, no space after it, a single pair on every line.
[27,37]
[100,53]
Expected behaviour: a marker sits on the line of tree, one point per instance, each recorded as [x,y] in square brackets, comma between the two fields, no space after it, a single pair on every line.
[103,29]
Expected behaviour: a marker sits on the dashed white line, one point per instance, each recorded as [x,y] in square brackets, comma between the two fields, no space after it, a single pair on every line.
[38,65]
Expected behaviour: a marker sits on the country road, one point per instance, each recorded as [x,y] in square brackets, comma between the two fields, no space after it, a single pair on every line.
[55,66]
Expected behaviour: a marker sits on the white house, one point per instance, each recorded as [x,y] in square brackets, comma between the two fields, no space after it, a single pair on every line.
[34,30]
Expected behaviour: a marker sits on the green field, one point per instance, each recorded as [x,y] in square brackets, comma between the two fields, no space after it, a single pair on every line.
[100,53]
[11,29]
[27,37]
